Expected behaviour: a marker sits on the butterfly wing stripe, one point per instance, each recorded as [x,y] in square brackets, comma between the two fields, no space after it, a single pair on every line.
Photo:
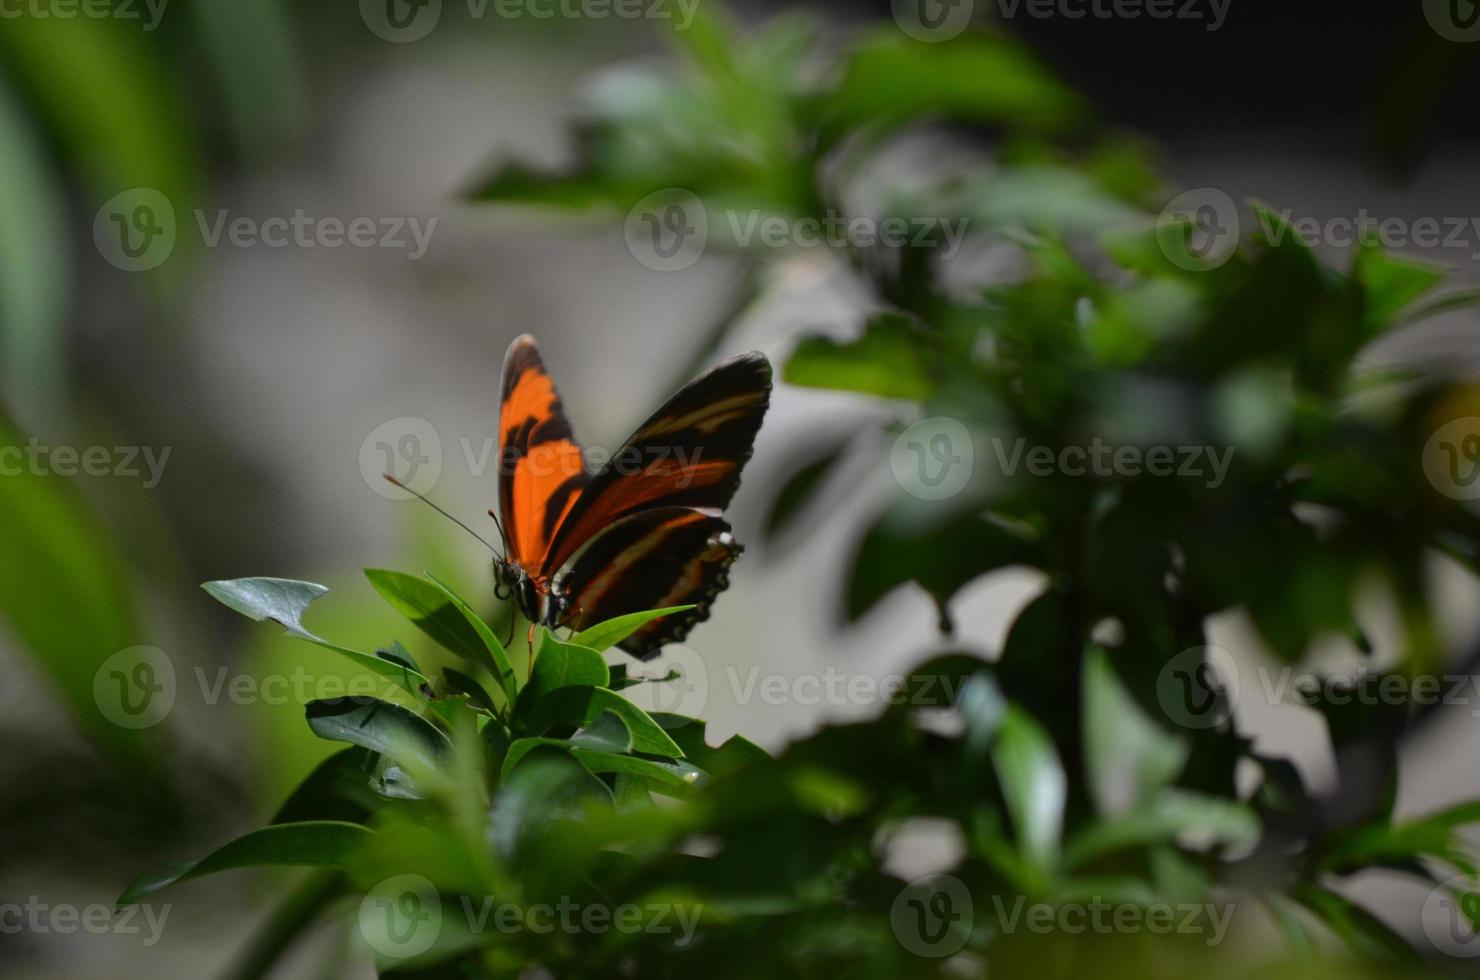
[541,469]
[687,454]
[666,556]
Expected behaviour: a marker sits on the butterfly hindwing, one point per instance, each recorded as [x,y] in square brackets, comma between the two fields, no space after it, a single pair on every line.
[664,556]
[689,453]
[541,470]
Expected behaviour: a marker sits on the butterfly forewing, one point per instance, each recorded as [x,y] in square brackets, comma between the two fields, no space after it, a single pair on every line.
[541,469]
[689,453]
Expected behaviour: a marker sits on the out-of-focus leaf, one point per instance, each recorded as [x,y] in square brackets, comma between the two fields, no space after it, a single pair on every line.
[252,48]
[104,89]
[64,593]
[379,726]
[797,492]
[1033,785]
[33,263]
[892,80]
[1389,284]
[940,559]
[889,360]
[1045,199]
[314,843]
[1367,936]
[1166,817]
[1129,757]
[603,636]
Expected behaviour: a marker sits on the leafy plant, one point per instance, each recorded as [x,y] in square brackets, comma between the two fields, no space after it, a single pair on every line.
[1072,767]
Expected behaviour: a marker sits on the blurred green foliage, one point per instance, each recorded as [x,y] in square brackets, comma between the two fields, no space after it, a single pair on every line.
[523,774]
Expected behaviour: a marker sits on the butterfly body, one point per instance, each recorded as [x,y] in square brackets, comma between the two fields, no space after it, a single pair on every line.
[643,531]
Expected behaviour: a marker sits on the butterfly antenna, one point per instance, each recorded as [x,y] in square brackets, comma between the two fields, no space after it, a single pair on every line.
[503,535]
[424,499]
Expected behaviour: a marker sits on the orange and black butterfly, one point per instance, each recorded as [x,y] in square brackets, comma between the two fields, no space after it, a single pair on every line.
[645,530]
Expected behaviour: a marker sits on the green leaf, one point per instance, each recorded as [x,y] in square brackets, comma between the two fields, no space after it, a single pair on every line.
[888,361]
[110,100]
[1390,283]
[283,601]
[1033,786]
[608,733]
[430,609]
[559,664]
[65,596]
[280,600]
[337,789]
[581,705]
[1129,757]
[497,659]
[893,80]
[604,636]
[312,843]
[33,264]
[379,726]
[940,558]
[676,776]
[1367,936]
[1164,819]
[737,752]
